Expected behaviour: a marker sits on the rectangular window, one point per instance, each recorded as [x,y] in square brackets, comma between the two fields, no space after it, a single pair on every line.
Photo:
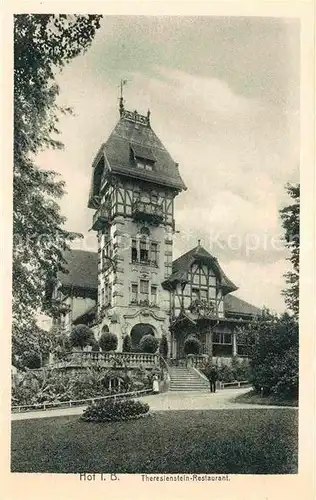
[216,338]
[195,293]
[153,292]
[144,290]
[227,338]
[154,252]
[154,198]
[140,164]
[143,251]
[203,279]
[148,167]
[168,260]
[134,293]
[102,296]
[203,294]
[136,195]
[134,251]
[196,279]
[145,197]
[222,338]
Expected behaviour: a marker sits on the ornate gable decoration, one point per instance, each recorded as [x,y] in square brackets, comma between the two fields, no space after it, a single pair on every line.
[135,117]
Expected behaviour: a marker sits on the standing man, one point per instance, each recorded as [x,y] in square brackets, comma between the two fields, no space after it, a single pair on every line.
[213,376]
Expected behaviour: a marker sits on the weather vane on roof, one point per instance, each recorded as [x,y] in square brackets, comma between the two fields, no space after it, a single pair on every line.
[123,82]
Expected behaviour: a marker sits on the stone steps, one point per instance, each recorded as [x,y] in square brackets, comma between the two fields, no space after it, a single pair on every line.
[186,379]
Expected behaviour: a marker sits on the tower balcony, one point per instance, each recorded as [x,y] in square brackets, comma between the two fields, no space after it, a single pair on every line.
[147,211]
[100,218]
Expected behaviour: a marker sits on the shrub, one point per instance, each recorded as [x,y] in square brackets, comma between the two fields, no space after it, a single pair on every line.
[240,369]
[163,347]
[113,411]
[31,360]
[108,341]
[127,344]
[81,336]
[226,373]
[95,347]
[192,345]
[148,343]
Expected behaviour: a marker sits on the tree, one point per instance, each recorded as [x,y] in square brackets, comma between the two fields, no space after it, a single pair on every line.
[30,346]
[43,44]
[148,343]
[127,343]
[81,336]
[273,350]
[108,341]
[192,345]
[290,216]
[163,347]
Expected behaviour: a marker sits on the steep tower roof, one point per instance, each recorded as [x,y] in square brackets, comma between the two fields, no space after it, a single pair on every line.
[132,139]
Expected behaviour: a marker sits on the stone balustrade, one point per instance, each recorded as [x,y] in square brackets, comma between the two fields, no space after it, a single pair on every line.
[196,360]
[108,359]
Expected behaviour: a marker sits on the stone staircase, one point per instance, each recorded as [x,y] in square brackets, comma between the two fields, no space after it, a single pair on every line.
[186,379]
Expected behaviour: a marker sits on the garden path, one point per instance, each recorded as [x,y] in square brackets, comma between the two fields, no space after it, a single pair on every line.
[223,399]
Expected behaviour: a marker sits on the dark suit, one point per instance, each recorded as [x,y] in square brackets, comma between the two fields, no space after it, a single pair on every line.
[212,379]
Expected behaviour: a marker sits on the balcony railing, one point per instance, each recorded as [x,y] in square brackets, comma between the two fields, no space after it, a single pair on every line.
[144,303]
[108,360]
[151,212]
[153,262]
[100,218]
[203,309]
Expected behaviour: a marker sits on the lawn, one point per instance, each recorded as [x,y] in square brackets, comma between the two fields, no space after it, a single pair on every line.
[247,441]
[254,398]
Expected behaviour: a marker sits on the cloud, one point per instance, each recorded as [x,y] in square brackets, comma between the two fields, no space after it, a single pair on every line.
[260,285]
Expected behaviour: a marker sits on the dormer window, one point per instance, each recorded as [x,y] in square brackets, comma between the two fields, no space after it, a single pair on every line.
[143,165]
[143,157]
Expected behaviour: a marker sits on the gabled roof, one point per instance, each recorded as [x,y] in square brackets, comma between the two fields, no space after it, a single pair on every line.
[235,306]
[181,266]
[135,137]
[82,270]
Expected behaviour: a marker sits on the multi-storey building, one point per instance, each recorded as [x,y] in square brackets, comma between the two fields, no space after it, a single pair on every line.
[139,288]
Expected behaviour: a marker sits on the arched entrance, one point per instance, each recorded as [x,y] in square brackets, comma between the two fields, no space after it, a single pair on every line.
[138,331]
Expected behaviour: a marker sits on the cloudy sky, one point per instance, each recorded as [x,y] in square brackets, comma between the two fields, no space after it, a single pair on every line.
[224,98]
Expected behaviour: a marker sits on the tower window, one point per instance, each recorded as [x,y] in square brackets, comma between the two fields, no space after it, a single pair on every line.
[143,251]
[144,290]
[134,251]
[134,297]
[153,292]
[154,252]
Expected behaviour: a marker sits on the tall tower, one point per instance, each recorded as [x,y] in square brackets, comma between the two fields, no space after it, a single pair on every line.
[134,183]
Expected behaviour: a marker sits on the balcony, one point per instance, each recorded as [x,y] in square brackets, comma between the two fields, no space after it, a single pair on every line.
[147,211]
[203,309]
[100,218]
[152,263]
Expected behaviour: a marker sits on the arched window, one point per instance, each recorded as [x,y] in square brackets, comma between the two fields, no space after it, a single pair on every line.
[144,231]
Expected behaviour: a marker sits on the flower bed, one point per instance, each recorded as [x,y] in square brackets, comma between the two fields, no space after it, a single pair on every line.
[115,411]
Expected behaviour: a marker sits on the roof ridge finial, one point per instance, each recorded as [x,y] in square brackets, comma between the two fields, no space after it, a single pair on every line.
[199,243]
